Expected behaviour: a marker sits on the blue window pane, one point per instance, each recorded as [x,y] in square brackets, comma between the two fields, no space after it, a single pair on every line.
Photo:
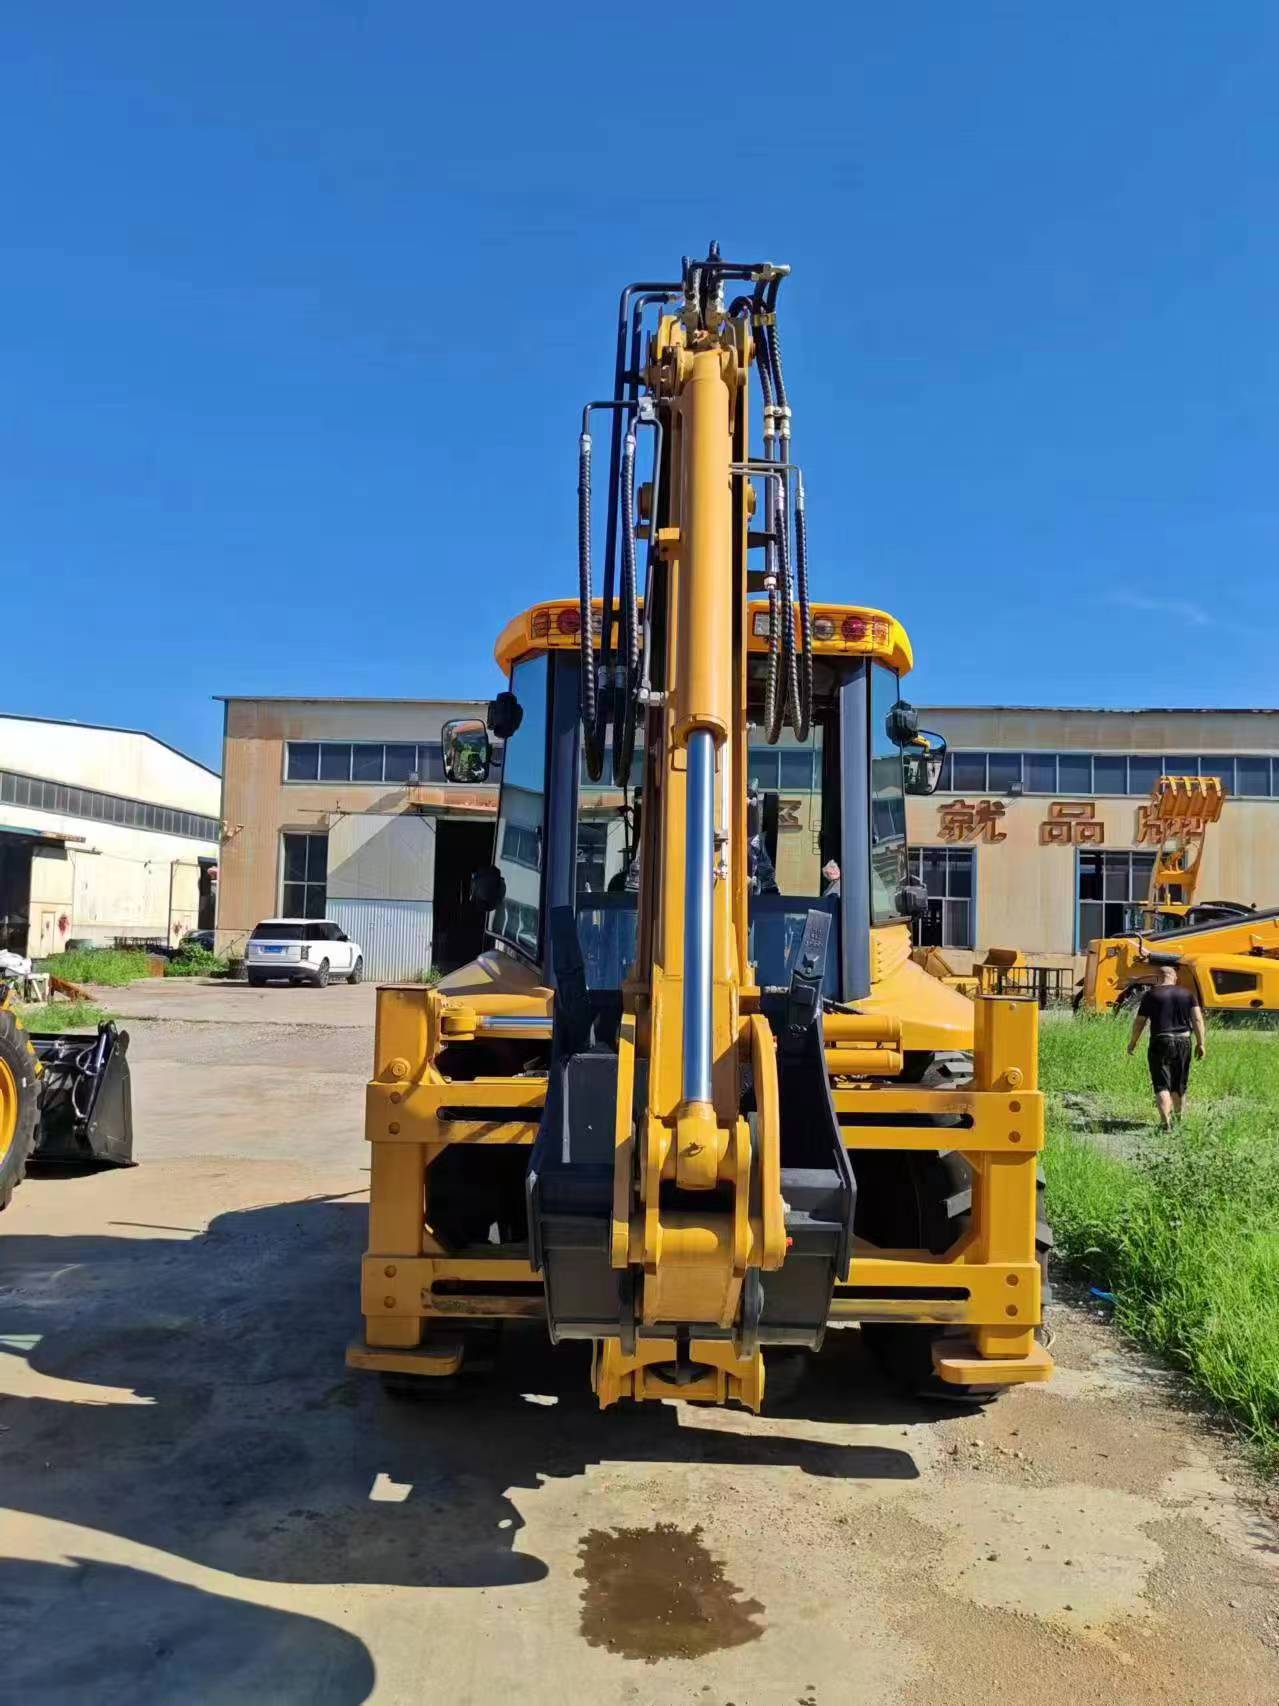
[1041,773]
[430,761]
[763,767]
[1004,772]
[1252,777]
[1074,773]
[1143,773]
[1109,774]
[1178,764]
[968,772]
[335,761]
[1223,769]
[796,768]
[302,761]
[401,762]
[366,764]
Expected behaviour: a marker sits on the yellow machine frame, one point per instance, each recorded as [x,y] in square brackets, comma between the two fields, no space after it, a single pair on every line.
[414,1291]
[697,1201]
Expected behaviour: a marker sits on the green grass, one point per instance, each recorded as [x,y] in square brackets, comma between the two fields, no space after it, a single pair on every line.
[63,1016]
[1182,1228]
[111,966]
[197,962]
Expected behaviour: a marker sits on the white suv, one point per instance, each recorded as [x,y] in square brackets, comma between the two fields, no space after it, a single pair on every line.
[301,950]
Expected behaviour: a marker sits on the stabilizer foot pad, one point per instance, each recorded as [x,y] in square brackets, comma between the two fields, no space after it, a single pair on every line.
[956,1361]
[439,1359]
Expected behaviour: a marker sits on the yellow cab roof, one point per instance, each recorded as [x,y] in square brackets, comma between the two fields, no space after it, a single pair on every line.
[839,630]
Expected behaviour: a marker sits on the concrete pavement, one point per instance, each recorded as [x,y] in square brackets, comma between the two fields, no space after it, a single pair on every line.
[203,1504]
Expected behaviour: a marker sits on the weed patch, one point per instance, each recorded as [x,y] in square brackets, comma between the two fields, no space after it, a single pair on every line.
[1183,1227]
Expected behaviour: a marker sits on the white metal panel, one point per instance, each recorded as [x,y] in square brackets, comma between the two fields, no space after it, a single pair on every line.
[376,856]
[394,935]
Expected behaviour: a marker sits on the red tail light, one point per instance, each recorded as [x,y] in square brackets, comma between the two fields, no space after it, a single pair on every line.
[569,622]
[854,627]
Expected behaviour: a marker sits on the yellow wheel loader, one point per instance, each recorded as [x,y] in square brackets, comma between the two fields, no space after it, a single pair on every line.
[1224,951]
[693,1100]
[64,1097]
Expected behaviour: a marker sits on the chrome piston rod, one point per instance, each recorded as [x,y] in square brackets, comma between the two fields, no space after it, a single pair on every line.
[699,881]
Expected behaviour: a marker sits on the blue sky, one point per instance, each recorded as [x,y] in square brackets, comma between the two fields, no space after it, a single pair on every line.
[302,301]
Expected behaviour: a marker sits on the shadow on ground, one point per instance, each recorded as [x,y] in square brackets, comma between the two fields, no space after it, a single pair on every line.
[256,1452]
[92,1634]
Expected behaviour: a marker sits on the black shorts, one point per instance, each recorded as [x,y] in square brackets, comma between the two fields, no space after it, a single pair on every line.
[1170,1063]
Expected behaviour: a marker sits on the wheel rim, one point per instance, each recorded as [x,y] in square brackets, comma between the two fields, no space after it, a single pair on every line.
[8,1107]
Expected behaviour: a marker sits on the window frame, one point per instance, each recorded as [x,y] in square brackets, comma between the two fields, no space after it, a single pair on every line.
[306,882]
[951,858]
[1134,856]
[507,908]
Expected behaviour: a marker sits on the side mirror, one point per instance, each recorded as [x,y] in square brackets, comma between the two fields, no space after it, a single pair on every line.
[912,900]
[922,762]
[505,715]
[901,725]
[488,888]
[468,753]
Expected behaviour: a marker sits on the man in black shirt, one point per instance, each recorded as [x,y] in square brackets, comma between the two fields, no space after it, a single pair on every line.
[1174,1013]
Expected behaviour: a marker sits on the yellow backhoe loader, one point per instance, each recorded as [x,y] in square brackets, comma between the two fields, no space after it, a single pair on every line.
[1226,952]
[684,1105]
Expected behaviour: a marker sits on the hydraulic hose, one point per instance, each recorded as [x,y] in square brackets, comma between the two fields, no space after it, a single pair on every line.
[804,720]
[798,662]
[774,679]
[592,744]
[624,705]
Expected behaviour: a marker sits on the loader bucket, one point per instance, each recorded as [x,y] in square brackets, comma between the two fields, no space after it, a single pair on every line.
[86,1106]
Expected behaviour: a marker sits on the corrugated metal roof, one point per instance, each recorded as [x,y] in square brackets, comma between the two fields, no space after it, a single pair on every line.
[38,834]
[114,729]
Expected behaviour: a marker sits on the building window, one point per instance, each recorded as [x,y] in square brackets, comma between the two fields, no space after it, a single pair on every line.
[366,762]
[1074,773]
[304,878]
[1004,772]
[1108,884]
[947,874]
[58,797]
[968,772]
[1089,774]
[1252,777]
[521,842]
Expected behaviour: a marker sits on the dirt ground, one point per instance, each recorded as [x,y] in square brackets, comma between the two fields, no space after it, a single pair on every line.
[203,1505]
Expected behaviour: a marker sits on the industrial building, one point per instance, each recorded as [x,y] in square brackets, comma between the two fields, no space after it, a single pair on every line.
[1038,835]
[338,809]
[1036,838]
[106,835]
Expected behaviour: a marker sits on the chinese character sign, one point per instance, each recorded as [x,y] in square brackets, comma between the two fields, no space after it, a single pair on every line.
[975,820]
[1072,823]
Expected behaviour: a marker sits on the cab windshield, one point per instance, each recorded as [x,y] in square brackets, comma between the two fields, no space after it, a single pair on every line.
[785,783]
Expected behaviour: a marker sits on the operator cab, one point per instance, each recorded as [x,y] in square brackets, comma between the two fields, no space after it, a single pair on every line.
[826,815]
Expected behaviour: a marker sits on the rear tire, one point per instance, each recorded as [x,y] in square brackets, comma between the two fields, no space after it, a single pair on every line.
[256,982]
[357,972]
[931,1211]
[322,976]
[19,1103]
